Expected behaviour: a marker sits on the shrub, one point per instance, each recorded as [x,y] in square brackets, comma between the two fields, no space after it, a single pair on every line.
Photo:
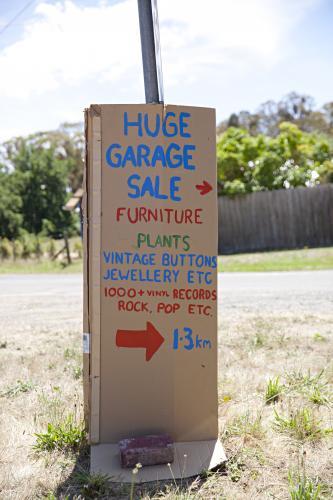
[37,248]
[17,249]
[51,249]
[5,248]
[78,249]
[27,246]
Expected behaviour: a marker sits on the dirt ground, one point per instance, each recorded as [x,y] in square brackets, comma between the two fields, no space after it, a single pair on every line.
[270,325]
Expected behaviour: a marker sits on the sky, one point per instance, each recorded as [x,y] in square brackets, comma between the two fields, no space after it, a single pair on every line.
[60,56]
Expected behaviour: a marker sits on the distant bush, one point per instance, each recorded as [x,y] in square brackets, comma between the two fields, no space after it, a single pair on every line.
[247,163]
[51,248]
[78,249]
[38,249]
[27,245]
[17,249]
[6,250]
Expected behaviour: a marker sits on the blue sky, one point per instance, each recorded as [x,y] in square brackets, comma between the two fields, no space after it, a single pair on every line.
[62,55]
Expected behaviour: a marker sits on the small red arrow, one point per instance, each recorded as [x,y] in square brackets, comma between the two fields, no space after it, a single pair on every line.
[204,188]
[149,338]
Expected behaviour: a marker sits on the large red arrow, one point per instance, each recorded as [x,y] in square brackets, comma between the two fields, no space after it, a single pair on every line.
[204,188]
[150,339]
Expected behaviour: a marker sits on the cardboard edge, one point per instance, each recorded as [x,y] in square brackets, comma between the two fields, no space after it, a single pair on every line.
[191,459]
[85,227]
[91,237]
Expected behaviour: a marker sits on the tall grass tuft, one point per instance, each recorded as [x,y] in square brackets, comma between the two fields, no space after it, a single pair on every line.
[273,390]
[303,488]
[301,424]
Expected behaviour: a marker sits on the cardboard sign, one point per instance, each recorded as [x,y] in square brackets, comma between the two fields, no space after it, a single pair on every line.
[151,272]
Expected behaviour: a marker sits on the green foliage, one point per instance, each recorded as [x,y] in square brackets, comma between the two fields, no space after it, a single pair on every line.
[66,436]
[255,163]
[51,248]
[235,467]
[17,249]
[77,372]
[10,206]
[302,425]
[78,249]
[318,397]
[27,245]
[6,250]
[294,108]
[18,388]
[303,488]
[94,485]
[38,250]
[245,425]
[273,390]
[37,174]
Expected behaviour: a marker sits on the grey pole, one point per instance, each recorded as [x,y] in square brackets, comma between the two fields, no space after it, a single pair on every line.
[149,33]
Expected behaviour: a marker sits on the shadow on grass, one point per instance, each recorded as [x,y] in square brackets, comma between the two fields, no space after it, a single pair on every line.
[81,484]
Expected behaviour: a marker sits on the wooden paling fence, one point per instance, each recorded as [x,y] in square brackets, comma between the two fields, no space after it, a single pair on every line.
[281,219]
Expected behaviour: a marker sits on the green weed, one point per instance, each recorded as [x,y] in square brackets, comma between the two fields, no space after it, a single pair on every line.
[77,372]
[65,436]
[3,344]
[94,485]
[51,407]
[235,467]
[319,338]
[70,353]
[302,425]
[245,426]
[18,388]
[318,397]
[299,381]
[303,488]
[258,340]
[273,390]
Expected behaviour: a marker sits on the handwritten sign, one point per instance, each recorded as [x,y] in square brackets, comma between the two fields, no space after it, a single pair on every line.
[157,296]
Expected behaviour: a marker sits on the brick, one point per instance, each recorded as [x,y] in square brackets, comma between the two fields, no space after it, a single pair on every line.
[146,450]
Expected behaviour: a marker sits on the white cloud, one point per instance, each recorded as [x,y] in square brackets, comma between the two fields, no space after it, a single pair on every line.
[68,44]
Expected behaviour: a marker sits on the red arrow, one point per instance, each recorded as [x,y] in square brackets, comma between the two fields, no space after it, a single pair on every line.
[204,188]
[149,338]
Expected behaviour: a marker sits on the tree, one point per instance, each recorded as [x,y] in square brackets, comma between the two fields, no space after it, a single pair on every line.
[294,108]
[10,207]
[254,163]
[39,173]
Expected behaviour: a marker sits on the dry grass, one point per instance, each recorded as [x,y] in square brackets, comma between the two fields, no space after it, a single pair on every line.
[40,359]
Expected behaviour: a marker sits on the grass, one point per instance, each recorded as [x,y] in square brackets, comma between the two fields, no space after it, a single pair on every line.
[94,485]
[301,424]
[42,267]
[18,388]
[303,488]
[285,260]
[273,390]
[268,352]
[245,426]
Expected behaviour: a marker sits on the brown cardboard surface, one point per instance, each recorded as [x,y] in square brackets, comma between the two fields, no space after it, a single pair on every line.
[173,390]
[191,459]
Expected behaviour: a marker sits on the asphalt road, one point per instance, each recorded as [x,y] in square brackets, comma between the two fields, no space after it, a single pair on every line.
[309,291]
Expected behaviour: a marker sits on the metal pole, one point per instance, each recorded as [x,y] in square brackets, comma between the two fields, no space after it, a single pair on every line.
[149,35]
